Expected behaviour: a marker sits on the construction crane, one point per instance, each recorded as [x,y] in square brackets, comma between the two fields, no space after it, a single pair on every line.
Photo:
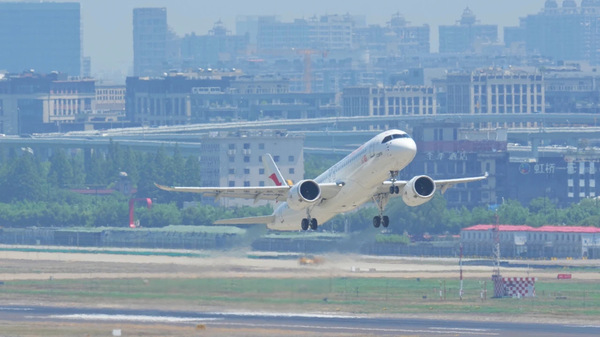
[308,66]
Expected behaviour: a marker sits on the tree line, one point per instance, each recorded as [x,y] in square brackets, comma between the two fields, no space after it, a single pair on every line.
[37,191]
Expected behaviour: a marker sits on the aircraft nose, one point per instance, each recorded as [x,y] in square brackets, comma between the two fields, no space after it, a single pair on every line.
[405,150]
[410,147]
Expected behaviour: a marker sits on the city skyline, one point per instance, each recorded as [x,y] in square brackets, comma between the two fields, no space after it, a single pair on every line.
[109,43]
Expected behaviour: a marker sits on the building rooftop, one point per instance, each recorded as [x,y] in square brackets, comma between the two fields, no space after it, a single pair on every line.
[503,228]
[544,229]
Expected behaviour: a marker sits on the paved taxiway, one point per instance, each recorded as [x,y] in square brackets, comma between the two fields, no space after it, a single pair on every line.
[316,324]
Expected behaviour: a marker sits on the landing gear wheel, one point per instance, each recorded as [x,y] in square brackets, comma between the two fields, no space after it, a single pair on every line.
[376,221]
[397,189]
[392,190]
[314,224]
[385,221]
[304,224]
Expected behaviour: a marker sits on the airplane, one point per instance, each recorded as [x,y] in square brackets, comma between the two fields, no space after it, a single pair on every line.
[367,174]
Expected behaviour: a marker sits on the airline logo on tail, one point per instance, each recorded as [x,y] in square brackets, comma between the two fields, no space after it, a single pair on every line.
[272,171]
[275,180]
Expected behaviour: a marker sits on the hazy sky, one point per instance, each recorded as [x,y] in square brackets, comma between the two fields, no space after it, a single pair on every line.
[107,24]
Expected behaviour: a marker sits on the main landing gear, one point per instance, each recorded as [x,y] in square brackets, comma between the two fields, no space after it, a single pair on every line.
[381,220]
[309,222]
[381,200]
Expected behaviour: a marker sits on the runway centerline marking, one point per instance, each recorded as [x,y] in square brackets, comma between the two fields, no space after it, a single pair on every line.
[132,318]
[389,330]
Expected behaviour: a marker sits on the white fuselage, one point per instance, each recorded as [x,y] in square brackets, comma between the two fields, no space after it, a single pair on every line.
[362,172]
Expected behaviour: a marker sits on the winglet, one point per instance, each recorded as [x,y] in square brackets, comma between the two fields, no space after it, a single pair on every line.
[163,187]
[272,171]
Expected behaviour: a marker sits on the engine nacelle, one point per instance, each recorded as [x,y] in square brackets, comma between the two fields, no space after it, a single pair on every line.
[303,194]
[418,191]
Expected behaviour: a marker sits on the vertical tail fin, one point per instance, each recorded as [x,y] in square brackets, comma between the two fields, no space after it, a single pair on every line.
[272,171]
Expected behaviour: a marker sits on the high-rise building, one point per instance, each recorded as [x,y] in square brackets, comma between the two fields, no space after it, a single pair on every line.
[467,35]
[44,36]
[219,46]
[331,32]
[565,33]
[274,35]
[149,41]
[396,38]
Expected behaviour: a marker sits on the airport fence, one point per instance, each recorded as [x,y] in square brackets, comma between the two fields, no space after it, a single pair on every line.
[182,237]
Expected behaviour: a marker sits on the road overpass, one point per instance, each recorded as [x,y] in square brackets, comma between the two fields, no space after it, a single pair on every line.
[323,135]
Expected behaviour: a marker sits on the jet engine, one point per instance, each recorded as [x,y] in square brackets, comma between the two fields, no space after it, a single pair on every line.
[303,194]
[418,191]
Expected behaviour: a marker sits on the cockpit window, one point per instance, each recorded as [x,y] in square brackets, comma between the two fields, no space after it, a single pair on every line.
[394,136]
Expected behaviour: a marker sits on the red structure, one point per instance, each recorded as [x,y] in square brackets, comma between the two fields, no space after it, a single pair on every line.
[131,208]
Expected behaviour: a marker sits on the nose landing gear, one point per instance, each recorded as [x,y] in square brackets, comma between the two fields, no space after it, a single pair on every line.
[393,177]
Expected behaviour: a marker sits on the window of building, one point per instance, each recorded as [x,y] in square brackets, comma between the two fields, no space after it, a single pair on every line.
[246,146]
[261,171]
[276,159]
[291,170]
[246,159]
[261,146]
[231,183]
[246,171]
[291,159]
[231,159]
[246,183]
[261,183]
[231,146]
[231,171]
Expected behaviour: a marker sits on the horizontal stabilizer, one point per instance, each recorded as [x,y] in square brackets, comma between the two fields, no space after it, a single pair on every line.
[254,220]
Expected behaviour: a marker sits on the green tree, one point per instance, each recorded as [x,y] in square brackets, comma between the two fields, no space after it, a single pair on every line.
[191,175]
[160,215]
[512,212]
[23,180]
[61,170]
[314,165]
[110,212]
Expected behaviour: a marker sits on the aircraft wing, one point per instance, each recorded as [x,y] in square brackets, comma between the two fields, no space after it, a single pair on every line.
[330,190]
[254,220]
[278,193]
[441,185]
[445,184]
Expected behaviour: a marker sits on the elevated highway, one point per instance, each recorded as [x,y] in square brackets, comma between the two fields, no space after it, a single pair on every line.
[322,135]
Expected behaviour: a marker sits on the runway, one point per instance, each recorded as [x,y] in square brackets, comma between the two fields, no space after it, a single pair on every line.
[311,324]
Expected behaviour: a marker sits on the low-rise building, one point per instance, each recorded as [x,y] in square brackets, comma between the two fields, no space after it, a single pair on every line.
[530,242]
[387,101]
[32,102]
[234,159]
[495,92]
[196,98]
